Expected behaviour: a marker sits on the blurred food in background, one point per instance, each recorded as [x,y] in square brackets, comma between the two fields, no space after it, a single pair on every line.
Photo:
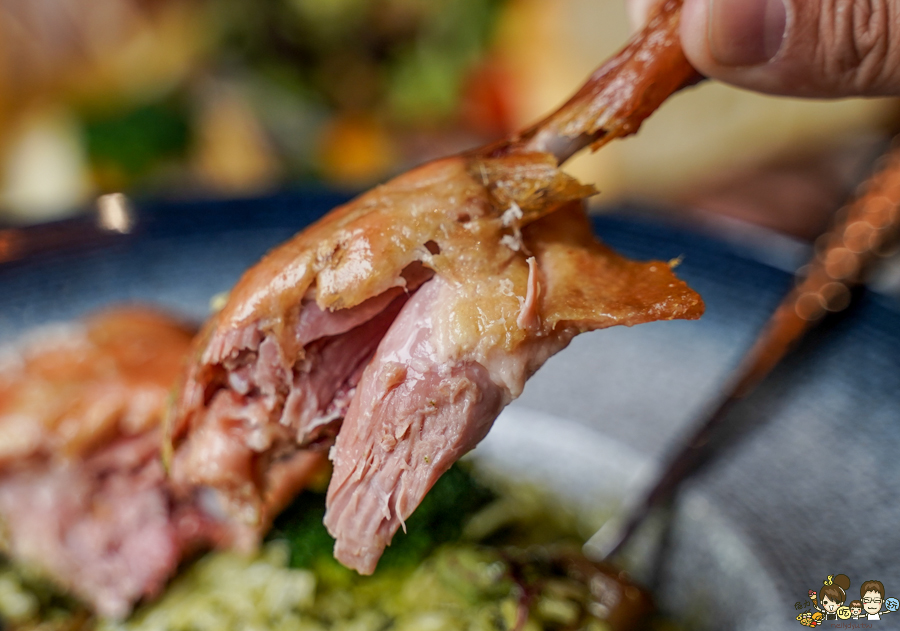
[234,97]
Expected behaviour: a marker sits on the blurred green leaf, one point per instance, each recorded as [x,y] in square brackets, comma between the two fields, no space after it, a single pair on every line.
[415,53]
[424,86]
[135,140]
[426,78]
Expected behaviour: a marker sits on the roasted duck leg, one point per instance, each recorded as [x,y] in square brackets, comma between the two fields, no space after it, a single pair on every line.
[84,499]
[405,320]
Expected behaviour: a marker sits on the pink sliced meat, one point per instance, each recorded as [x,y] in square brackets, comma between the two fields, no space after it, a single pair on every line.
[106,529]
[414,415]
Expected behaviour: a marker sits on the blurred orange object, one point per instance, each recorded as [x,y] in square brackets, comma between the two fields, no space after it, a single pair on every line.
[355,149]
[232,153]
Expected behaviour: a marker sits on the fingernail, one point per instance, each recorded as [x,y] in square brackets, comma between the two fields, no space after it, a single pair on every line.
[746,32]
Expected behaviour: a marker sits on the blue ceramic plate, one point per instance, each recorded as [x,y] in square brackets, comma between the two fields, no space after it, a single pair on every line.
[806,489]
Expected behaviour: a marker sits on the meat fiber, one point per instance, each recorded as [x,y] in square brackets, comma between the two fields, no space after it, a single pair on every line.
[84,498]
[408,318]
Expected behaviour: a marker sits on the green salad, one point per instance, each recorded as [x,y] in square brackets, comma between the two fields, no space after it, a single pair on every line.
[472,558]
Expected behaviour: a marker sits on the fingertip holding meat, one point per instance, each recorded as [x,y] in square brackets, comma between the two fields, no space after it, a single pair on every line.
[400,325]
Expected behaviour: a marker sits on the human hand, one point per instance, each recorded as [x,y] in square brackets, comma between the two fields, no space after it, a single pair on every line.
[810,48]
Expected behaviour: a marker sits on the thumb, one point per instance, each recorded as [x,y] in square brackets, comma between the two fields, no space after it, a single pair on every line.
[813,48]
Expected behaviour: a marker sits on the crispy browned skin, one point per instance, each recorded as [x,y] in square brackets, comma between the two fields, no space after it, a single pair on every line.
[88,387]
[500,238]
[587,282]
[359,250]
